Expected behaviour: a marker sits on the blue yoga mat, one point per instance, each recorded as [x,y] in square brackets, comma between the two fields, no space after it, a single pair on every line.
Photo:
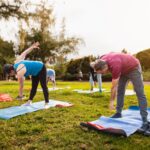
[11,112]
[128,124]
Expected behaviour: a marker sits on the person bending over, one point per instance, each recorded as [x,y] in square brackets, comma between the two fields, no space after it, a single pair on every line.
[51,77]
[36,69]
[124,67]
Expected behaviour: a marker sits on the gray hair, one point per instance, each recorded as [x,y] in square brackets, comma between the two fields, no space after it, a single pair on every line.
[99,65]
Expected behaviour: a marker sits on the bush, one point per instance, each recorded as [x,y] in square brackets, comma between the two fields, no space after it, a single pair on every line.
[74,66]
[60,70]
[7,54]
[144,58]
[1,72]
[107,77]
[146,75]
[70,77]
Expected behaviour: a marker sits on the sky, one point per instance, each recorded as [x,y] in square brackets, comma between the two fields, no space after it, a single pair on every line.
[104,25]
[108,25]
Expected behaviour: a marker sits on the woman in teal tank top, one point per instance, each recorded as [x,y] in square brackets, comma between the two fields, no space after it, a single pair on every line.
[36,69]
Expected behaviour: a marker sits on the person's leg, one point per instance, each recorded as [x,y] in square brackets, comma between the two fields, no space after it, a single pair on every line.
[35,81]
[53,81]
[136,78]
[42,77]
[120,96]
[91,82]
[99,79]
[54,84]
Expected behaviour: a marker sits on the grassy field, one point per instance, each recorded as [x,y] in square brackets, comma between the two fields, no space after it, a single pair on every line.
[59,128]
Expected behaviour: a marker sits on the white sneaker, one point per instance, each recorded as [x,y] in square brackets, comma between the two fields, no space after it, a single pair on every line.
[28,103]
[46,106]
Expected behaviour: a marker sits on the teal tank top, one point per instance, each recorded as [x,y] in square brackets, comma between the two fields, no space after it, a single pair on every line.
[32,67]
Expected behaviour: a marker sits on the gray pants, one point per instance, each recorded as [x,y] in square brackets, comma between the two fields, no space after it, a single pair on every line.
[136,78]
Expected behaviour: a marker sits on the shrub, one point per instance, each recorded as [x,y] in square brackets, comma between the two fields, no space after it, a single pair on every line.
[146,75]
[144,58]
[70,77]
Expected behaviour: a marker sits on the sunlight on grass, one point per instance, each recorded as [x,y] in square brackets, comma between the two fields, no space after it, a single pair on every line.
[59,128]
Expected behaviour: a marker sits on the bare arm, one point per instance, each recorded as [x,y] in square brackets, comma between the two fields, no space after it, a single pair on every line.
[113,92]
[21,70]
[27,51]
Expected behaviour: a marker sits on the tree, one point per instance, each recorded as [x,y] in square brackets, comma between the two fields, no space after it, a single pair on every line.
[46,46]
[13,8]
[40,27]
[144,58]
[51,45]
[6,52]
[80,64]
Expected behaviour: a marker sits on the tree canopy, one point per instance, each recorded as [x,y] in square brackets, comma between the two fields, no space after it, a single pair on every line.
[144,57]
[6,52]
[39,25]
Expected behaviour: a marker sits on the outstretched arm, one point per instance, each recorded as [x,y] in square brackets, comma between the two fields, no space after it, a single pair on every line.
[27,51]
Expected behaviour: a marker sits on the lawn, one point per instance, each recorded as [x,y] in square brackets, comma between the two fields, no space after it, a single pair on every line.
[59,128]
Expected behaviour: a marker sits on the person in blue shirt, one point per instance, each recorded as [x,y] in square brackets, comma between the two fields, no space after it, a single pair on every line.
[51,77]
[36,69]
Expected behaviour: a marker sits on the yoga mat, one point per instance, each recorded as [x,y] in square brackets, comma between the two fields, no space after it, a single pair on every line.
[87,91]
[127,125]
[14,111]
[50,89]
[128,92]
[54,89]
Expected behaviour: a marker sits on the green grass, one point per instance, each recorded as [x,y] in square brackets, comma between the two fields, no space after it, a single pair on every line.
[59,128]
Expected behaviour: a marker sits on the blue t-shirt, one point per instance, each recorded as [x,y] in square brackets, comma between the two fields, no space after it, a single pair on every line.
[32,67]
[50,72]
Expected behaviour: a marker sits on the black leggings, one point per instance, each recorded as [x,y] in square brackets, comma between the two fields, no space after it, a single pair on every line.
[41,76]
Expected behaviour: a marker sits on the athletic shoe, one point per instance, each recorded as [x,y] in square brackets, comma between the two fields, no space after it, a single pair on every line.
[100,90]
[147,132]
[116,115]
[46,106]
[20,97]
[144,128]
[28,103]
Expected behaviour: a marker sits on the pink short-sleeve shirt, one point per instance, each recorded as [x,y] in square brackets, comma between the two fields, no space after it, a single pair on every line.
[120,64]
